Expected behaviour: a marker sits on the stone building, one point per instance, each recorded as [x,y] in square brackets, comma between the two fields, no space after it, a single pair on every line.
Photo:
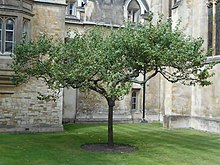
[174,104]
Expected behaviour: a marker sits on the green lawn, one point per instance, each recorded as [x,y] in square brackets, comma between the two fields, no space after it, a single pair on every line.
[155,145]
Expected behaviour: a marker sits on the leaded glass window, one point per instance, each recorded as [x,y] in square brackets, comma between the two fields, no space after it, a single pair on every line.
[71,8]
[210,27]
[214,27]
[134,100]
[9,35]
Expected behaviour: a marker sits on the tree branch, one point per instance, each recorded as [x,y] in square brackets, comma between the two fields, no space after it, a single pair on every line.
[127,77]
[147,79]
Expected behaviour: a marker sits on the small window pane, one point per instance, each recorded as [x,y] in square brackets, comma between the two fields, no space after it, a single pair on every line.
[0,24]
[9,36]
[133,107]
[9,24]
[71,9]
[133,100]
[8,46]
[71,6]
[133,94]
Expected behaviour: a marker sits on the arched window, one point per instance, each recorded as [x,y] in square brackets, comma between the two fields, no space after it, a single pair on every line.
[9,35]
[210,27]
[134,100]
[135,10]
[214,26]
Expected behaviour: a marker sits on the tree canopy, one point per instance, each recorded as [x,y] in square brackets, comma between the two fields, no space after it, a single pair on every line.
[107,60]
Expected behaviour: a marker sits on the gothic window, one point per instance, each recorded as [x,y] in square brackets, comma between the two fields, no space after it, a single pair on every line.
[135,10]
[12,15]
[210,27]
[214,26]
[7,34]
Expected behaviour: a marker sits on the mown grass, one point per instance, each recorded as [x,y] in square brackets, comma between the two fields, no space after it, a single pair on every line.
[155,146]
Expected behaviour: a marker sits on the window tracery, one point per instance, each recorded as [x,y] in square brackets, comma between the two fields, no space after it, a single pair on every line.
[7,34]
[135,10]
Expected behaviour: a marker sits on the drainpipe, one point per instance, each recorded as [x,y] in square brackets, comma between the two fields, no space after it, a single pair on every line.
[144,97]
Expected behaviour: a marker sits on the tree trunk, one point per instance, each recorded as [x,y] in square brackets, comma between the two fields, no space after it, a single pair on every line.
[111,104]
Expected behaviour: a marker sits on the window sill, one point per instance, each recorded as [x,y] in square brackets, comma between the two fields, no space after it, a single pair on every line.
[213,59]
[72,17]
[6,56]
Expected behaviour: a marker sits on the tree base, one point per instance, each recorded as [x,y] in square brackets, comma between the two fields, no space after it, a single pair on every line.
[144,121]
[119,148]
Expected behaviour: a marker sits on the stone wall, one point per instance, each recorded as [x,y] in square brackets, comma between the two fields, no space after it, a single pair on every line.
[194,107]
[21,111]
[49,16]
[104,11]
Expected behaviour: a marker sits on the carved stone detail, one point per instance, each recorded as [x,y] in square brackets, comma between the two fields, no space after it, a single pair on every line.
[209,3]
[216,1]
